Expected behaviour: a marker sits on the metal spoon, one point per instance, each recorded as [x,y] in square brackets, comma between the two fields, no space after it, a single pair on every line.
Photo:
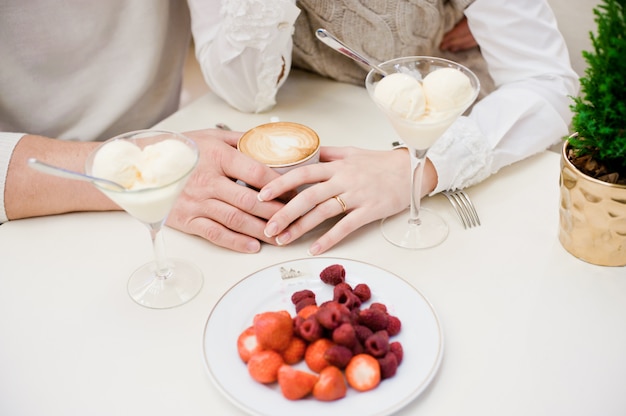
[339,46]
[70,174]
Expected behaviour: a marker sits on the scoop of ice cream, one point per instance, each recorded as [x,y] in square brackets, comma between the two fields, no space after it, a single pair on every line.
[447,89]
[156,165]
[117,161]
[402,94]
[164,162]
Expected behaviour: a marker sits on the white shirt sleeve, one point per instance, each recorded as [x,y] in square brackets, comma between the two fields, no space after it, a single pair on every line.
[528,60]
[241,54]
[8,141]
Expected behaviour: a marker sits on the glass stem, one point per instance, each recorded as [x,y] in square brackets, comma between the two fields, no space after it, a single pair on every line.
[418,158]
[162,271]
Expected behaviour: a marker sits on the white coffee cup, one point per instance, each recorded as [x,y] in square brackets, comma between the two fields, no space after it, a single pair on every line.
[281,145]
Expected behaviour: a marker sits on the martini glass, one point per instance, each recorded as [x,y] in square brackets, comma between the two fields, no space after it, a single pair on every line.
[420,228]
[163,282]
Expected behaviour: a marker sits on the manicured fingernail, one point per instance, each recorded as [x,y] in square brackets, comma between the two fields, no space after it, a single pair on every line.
[270,229]
[263,195]
[253,246]
[314,250]
[283,238]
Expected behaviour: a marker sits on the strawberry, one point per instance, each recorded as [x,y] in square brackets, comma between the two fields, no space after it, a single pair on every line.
[294,353]
[331,385]
[363,372]
[247,344]
[307,311]
[295,384]
[314,354]
[263,366]
[273,330]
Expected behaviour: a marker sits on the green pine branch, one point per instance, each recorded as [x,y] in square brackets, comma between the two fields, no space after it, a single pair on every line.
[600,109]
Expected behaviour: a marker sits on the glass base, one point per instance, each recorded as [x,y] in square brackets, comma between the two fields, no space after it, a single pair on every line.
[182,285]
[432,231]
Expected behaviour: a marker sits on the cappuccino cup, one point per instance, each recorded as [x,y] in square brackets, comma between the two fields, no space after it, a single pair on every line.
[281,145]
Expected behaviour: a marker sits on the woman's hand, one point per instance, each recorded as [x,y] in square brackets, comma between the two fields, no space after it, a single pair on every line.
[214,206]
[371,184]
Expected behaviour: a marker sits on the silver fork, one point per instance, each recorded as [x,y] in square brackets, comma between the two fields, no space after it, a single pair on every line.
[464,208]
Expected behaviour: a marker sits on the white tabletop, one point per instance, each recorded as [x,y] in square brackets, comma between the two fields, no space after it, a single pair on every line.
[528,328]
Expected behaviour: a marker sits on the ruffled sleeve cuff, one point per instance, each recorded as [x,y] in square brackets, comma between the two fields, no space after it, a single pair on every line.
[462,156]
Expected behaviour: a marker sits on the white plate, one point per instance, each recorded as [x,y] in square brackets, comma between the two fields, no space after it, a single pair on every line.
[265,290]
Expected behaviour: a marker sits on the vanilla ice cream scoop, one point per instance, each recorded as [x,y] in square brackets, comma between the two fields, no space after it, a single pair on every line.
[402,94]
[447,89]
[157,165]
[117,161]
[165,162]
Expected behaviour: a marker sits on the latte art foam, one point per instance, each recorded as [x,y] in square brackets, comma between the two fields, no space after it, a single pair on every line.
[280,143]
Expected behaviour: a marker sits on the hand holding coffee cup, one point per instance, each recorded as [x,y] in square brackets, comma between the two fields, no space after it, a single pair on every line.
[281,145]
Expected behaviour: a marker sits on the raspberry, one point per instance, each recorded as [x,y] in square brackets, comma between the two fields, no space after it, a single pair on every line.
[310,329]
[304,302]
[394,326]
[396,348]
[362,332]
[363,292]
[388,365]
[302,294]
[379,306]
[331,314]
[378,344]
[333,274]
[342,293]
[345,335]
[339,356]
[373,318]
[358,348]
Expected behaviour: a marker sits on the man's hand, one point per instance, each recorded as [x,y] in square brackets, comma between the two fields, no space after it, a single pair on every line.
[214,206]
[459,38]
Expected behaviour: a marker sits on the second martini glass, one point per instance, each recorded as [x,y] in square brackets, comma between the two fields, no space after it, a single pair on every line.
[421,228]
[154,165]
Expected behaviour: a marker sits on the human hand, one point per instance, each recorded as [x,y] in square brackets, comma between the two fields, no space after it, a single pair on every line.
[459,38]
[372,184]
[214,206]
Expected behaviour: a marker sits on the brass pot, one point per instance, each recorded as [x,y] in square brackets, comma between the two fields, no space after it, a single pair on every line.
[592,216]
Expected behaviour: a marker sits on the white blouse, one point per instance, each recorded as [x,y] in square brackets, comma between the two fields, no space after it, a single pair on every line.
[244,45]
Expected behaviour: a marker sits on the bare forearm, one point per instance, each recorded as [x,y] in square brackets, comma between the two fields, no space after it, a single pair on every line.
[29,193]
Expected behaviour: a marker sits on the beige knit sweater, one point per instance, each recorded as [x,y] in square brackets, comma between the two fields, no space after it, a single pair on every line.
[380,30]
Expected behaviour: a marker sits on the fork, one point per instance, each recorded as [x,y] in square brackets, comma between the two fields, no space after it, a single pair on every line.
[464,208]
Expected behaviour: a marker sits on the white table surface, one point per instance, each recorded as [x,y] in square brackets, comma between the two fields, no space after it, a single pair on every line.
[528,328]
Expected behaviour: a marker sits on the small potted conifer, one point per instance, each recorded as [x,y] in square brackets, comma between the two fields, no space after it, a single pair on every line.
[592,223]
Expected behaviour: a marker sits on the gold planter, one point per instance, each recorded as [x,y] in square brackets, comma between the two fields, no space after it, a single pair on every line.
[592,216]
